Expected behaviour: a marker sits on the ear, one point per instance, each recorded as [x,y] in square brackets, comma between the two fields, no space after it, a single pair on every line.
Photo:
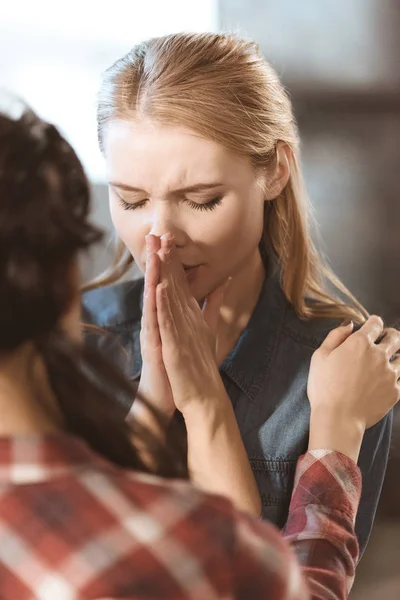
[278,174]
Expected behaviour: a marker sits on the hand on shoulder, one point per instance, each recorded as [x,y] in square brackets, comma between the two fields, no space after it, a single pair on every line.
[353,384]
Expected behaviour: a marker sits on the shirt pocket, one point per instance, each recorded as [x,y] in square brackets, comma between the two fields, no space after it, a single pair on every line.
[274,478]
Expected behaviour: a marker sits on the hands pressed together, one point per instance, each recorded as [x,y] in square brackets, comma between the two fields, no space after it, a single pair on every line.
[177,336]
[353,381]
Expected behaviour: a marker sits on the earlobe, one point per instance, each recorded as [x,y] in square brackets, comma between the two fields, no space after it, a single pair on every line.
[280,173]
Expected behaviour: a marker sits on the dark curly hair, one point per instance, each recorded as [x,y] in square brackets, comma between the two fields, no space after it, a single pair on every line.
[44,225]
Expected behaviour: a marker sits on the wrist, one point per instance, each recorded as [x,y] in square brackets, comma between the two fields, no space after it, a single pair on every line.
[154,394]
[143,407]
[335,431]
[211,412]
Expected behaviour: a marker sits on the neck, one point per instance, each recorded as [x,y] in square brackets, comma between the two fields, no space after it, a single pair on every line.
[27,403]
[239,303]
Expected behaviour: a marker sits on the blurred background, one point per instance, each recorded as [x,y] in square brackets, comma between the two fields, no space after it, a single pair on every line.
[340,62]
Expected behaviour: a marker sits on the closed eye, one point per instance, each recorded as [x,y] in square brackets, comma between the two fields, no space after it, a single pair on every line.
[211,205]
[131,205]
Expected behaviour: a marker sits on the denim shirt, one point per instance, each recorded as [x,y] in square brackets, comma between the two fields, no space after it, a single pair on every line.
[266,379]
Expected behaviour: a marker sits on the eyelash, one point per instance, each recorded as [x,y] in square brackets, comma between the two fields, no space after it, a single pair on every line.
[211,205]
[128,205]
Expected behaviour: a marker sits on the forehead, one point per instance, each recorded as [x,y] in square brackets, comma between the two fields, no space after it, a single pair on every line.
[148,155]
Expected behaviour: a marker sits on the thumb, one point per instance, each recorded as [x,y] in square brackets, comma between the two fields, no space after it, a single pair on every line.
[212,306]
[337,336]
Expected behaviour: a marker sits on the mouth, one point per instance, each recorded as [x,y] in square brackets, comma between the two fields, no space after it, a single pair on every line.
[191,270]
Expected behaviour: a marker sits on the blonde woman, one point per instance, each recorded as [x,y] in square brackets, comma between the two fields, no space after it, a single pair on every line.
[202,153]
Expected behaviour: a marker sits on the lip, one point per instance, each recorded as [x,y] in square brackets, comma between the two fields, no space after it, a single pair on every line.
[191,271]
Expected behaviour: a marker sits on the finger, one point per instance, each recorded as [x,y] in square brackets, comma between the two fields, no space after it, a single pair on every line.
[181,302]
[336,337]
[153,244]
[152,274]
[167,243]
[166,269]
[177,271]
[172,273]
[395,365]
[390,342]
[166,323]
[212,306]
[372,328]
[150,321]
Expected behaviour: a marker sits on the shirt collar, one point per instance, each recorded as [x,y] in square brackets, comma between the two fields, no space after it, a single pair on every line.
[34,458]
[249,363]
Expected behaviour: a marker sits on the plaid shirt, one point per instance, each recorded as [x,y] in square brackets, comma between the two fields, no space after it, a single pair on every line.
[73,526]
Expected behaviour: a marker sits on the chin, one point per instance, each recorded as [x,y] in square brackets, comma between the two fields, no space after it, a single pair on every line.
[196,292]
[201,289]
[197,289]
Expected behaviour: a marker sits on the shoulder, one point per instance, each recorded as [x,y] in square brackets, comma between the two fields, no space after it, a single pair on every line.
[114,306]
[115,312]
[250,550]
[213,524]
[187,504]
[309,333]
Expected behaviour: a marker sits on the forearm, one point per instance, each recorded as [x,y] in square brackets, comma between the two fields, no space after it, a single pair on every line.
[141,413]
[320,525]
[372,462]
[144,415]
[335,432]
[217,458]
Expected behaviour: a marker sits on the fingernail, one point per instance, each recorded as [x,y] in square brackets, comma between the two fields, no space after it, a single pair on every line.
[346,323]
[164,239]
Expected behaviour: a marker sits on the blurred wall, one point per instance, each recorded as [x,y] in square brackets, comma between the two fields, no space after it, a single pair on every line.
[339,61]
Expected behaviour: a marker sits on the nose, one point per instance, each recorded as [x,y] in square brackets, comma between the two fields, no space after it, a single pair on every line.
[165,219]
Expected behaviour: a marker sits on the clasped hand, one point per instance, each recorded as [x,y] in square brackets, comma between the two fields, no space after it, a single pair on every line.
[177,336]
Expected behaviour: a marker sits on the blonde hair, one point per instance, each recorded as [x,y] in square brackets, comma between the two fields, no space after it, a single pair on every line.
[221,87]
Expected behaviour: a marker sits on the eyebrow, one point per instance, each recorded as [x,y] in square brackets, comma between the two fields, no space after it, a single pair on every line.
[198,187]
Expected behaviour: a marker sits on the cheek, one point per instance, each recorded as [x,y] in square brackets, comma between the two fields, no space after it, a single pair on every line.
[234,229]
[131,229]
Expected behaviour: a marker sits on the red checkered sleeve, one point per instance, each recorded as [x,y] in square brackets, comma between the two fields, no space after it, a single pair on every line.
[74,526]
[320,530]
[321,520]
[264,565]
